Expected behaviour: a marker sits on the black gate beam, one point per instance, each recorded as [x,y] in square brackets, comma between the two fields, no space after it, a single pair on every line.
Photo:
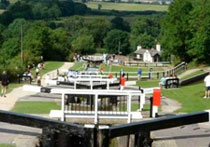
[158,124]
[40,122]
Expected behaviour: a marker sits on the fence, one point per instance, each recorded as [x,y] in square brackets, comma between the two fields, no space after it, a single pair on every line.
[141,130]
[57,133]
[154,74]
[146,64]
[99,104]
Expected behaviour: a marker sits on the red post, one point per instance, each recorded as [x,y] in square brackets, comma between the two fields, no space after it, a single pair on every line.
[156,97]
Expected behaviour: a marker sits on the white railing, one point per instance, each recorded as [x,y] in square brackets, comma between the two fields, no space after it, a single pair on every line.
[96,114]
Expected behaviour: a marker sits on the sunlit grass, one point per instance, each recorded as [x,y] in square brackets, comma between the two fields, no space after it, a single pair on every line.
[126,6]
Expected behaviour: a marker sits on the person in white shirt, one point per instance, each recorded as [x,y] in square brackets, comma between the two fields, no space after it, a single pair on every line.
[207,84]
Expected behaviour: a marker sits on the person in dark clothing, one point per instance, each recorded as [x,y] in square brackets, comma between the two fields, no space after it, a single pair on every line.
[4,83]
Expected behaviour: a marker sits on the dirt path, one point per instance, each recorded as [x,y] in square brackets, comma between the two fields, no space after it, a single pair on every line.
[8,102]
[169,105]
[65,66]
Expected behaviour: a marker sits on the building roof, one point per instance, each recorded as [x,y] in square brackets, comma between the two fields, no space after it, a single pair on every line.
[153,52]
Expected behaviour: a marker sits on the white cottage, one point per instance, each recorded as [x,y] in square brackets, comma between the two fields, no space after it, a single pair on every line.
[148,55]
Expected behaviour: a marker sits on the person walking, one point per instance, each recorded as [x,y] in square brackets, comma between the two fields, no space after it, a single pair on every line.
[39,80]
[37,71]
[207,84]
[139,73]
[4,83]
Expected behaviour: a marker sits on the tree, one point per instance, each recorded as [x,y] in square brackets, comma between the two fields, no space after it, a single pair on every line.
[199,47]
[117,42]
[145,40]
[99,6]
[83,44]
[98,28]
[175,34]
[119,23]
[145,31]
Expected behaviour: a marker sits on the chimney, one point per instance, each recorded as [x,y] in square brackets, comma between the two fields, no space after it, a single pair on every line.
[139,47]
[158,47]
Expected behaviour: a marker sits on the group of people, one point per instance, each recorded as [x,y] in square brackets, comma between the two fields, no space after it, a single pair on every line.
[139,73]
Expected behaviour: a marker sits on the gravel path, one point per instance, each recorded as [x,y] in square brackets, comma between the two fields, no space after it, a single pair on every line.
[19,135]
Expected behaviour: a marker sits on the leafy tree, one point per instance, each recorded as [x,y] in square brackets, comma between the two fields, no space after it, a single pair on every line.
[98,28]
[119,23]
[199,48]
[117,42]
[4,4]
[145,31]
[145,40]
[99,6]
[83,44]
[176,31]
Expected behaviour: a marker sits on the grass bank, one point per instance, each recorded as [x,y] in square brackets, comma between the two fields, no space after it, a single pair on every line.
[50,66]
[35,107]
[126,6]
[196,73]
[148,83]
[191,97]
[7,145]
[79,66]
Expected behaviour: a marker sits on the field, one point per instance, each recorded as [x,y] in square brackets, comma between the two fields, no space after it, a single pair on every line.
[1,11]
[126,6]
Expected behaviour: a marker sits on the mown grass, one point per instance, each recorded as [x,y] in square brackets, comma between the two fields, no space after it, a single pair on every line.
[126,6]
[50,66]
[79,66]
[148,83]
[12,86]
[7,145]
[196,73]
[191,97]
[116,68]
[35,107]
[1,11]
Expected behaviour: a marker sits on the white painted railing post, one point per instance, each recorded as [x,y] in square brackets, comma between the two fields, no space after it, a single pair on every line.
[91,84]
[63,107]
[154,111]
[96,109]
[129,107]
[142,101]
[75,84]
[107,85]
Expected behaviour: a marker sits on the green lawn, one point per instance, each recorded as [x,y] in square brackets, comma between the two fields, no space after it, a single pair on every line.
[148,83]
[193,74]
[191,97]
[50,66]
[79,66]
[1,11]
[35,107]
[116,68]
[7,145]
[12,86]
[126,6]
